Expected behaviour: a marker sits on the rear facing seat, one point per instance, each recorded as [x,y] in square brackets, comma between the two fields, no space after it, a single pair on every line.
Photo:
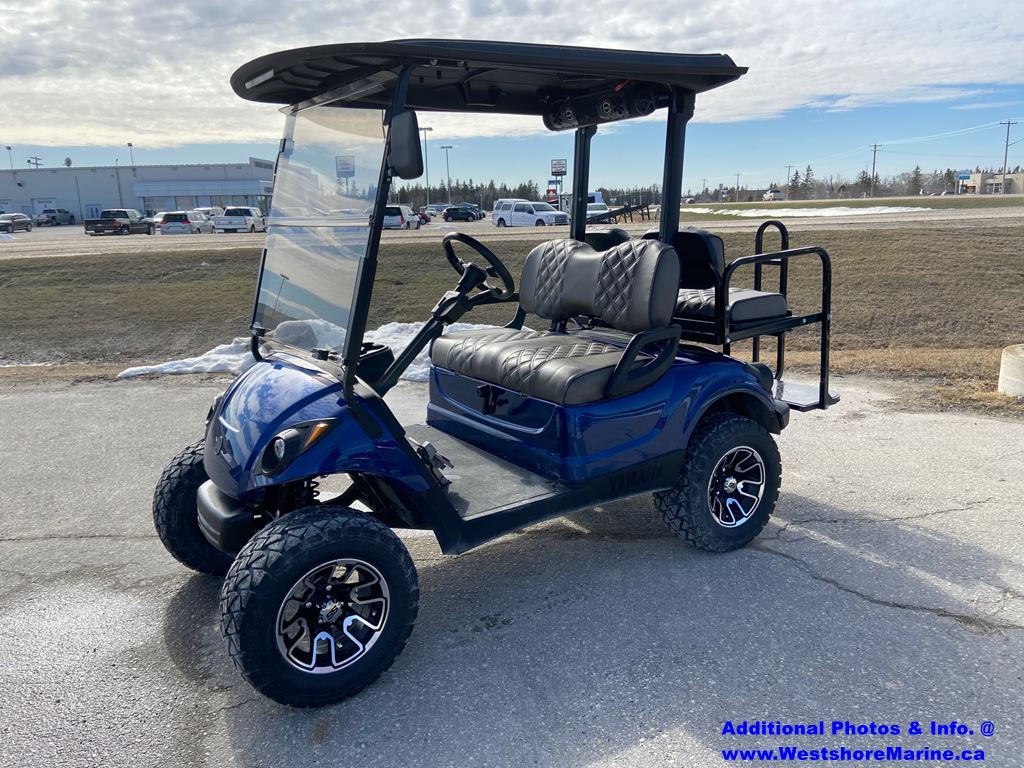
[631,288]
[702,264]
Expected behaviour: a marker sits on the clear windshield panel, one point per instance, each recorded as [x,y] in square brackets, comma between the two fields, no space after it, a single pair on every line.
[319,225]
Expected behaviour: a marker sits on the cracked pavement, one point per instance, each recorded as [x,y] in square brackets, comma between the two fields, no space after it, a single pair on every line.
[888,587]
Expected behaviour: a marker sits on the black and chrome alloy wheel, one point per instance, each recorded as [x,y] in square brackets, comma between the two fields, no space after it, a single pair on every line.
[333,616]
[736,487]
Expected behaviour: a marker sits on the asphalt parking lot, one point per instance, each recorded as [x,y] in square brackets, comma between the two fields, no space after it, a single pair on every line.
[888,588]
[44,242]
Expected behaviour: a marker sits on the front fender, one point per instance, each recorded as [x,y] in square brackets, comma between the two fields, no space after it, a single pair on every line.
[273,396]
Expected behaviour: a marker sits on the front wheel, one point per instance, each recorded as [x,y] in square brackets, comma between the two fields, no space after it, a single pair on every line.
[540,223]
[151,230]
[728,486]
[501,222]
[318,605]
[29,227]
[176,516]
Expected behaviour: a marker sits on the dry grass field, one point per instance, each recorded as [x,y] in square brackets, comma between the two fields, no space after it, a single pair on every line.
[935,303]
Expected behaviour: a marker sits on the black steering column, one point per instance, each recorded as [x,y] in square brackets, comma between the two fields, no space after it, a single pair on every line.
[455,303]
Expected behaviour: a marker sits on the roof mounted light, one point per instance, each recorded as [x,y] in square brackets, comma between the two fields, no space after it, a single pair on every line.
[259,79]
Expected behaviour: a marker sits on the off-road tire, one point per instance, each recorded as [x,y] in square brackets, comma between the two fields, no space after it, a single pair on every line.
[270,565]
[685,507]
[176,517]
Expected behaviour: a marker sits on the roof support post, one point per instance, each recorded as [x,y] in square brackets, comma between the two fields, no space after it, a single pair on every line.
[679,114]
[581,180]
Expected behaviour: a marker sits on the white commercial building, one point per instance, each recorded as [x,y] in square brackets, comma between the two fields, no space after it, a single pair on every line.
[149,188]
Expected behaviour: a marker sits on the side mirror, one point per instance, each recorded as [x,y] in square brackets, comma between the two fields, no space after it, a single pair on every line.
[406,157]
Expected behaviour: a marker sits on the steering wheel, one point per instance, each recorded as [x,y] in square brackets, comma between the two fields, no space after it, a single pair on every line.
[496,268]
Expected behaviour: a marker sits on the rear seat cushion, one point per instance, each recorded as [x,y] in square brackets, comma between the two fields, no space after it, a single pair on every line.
[745,304]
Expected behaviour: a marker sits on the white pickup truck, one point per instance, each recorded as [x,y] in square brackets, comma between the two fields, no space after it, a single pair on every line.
[240,220]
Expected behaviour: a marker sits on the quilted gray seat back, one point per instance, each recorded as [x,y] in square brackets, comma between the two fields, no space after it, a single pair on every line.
[631,286]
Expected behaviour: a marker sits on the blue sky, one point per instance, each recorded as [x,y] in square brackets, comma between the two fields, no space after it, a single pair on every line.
[832,141]
[826,80]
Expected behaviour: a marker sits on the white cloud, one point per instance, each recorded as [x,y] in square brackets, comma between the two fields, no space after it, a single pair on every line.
[85,73]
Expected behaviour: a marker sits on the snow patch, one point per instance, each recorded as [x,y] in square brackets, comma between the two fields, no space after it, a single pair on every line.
[235,356]
[774,213]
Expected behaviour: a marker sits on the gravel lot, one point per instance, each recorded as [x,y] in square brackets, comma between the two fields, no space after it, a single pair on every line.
[888,588]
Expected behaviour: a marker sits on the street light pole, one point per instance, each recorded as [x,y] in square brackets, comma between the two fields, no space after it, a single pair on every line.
[426,164]
[10,157]
[1006,151]
[448,170]
[132,154]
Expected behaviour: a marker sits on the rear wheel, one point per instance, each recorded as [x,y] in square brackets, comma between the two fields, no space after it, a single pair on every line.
[176,516]
[252,228]
[728,486]
[318,605]
[151,229]
[448,218]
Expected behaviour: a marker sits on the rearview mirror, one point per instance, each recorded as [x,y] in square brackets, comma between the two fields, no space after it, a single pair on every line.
[405,158]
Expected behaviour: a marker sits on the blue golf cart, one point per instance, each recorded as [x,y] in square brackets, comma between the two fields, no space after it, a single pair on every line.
[613,379]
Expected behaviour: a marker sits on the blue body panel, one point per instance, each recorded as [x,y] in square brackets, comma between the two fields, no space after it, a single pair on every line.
[272,396]
[575,443]
[590,450]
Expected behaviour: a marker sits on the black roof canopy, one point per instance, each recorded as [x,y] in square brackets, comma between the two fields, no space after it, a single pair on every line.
[477,75]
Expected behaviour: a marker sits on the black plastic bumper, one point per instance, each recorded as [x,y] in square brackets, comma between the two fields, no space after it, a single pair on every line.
[226,522]
[782,413]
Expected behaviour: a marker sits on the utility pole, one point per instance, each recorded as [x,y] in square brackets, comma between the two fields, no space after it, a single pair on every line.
[737,188]
[874,154]
[35,162]
[788,177]
[448,169]
[1006,151]
[426,166]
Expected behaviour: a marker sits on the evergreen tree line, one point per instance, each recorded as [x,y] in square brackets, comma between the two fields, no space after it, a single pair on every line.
[802,185]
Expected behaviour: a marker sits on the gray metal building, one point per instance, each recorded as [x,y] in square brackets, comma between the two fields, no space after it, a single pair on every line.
[149,188]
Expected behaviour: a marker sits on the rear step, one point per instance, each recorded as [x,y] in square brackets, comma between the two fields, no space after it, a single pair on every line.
[803,397]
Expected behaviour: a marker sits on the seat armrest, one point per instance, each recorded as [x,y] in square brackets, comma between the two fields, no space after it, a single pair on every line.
[626,379]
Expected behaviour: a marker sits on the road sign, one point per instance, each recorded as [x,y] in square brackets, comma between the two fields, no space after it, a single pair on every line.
[558,167]
[345,166]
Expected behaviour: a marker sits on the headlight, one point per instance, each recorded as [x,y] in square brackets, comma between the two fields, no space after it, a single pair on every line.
[285,446]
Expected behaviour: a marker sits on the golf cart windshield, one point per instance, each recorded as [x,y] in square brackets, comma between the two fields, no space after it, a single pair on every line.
[319,225]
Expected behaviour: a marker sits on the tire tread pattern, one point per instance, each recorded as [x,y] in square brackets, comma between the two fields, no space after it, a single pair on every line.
[683,507]
[173,501]
[293,534]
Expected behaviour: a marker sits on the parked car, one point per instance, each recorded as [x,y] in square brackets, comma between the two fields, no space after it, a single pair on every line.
[772,195]
[210,212]
[595,210]
[437,209]
[424,217]
[512,212]
[12,222]
[157,218]
[243,219]
[401,217]
[462,212]
[119,221]
[57,216]
[185,223]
